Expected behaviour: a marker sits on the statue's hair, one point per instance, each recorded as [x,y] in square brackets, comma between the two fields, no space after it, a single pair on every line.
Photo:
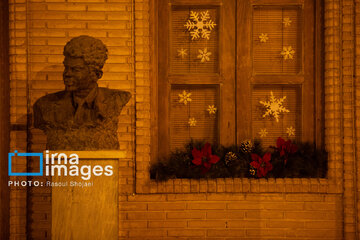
[92,50]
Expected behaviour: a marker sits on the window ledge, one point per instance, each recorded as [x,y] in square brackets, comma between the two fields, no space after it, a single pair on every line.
[240,185]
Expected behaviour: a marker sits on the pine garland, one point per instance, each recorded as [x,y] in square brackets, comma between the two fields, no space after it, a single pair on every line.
[288,160]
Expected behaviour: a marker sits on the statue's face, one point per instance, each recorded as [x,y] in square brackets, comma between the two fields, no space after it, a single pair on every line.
[77,75]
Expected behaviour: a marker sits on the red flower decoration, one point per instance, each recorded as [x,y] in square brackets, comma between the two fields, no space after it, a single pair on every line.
[204,157]
[285,147]
[262,164]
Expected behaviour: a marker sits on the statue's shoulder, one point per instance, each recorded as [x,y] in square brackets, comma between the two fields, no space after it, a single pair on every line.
[51,99]
[114,95]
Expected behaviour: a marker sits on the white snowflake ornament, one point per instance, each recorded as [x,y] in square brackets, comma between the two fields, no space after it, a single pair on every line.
[204,55]
[288,52]
[182,52]
[274,107]
[287,22]
[263,37]
[184,97]
[200,26]
[290,131]
[212,109]
[192,122]
[263,132]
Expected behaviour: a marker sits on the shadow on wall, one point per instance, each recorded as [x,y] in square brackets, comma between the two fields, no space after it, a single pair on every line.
[29,139]
[46,81]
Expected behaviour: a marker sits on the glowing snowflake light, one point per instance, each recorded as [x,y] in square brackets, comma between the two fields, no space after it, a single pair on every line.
[263,37]
[263,132]
[182,52]
[192,122]
[184,97]
[274,107]
[290,131]
[212,109]
[204,55]
[200,26]
[288,52]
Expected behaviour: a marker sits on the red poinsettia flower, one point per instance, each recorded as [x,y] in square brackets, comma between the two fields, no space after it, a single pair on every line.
[285,147]
[262,164]
[204,157]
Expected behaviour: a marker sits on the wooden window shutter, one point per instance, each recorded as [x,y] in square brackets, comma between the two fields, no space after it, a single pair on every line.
[209,81]
[275,56]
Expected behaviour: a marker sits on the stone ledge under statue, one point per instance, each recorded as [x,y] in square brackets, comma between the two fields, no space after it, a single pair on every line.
[83,116]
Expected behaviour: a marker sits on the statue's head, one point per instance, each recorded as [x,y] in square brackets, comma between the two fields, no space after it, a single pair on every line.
[85,57]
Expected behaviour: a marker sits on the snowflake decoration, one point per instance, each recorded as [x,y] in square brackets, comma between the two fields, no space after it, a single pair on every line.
[288,52]
[185,97]
[263,132]
[212,109]
[192,122]
[287,22]
[263,37]
[182,52]
[290,131]
[204,55]
[274,107]
[200,26]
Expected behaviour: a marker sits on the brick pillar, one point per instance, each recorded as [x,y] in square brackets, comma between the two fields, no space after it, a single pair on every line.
[357,110]
[4,118]
[347,70]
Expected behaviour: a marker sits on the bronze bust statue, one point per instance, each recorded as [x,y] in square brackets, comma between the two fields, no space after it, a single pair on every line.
[83,116]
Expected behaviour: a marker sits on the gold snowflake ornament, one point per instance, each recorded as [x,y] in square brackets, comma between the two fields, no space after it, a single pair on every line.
[185,97]
[212,109]
[204,55]
[290,131]
[274,107]
[287,22]
[288,52]
[182,52]
[263,37]
[200,25]
[263,132]
[192,122]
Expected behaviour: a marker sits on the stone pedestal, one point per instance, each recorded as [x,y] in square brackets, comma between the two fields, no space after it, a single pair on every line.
[89,211]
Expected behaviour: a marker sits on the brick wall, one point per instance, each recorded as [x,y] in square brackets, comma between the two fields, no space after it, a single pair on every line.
[181,209]
[231,216]
[39,30]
